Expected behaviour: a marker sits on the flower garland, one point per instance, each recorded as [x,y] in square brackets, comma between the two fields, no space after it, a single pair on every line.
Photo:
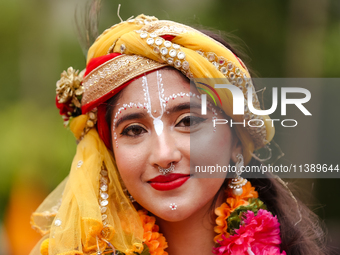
[258,235]
[223,212]
[244,226]
[155,241]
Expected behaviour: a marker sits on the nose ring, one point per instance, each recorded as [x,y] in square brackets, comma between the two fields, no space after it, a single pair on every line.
[165,171]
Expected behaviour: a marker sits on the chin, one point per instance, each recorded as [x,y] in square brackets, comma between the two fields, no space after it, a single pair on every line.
[174,215]
[178,209]
[182,203]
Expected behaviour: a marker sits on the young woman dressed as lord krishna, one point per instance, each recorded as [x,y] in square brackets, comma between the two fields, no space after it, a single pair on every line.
[130,189]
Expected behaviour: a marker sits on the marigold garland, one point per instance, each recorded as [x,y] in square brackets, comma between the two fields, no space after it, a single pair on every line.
[232,202]
[152,238]
[156,241]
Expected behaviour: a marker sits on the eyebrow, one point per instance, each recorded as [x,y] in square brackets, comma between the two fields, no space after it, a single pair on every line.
[132,116]
[141,115]
[184,106]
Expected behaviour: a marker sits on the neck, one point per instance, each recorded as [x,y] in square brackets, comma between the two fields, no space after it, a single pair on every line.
[194,235]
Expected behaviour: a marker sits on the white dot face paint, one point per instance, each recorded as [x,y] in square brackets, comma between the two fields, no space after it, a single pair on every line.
[173,206]
[147,105]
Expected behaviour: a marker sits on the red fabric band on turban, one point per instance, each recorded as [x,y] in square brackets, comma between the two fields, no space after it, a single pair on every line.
[102,126]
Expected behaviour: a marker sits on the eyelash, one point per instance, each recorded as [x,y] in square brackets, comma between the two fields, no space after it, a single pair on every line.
[130,128]
[194,120]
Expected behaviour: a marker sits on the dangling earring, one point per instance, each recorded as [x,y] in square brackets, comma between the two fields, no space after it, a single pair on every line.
[237,183]
[125,190]
[129,195]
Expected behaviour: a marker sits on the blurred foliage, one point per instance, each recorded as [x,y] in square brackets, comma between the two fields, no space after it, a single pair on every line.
[34,145]
[38,41]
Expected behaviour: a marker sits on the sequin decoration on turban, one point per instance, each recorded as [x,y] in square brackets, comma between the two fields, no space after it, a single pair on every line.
[89,210]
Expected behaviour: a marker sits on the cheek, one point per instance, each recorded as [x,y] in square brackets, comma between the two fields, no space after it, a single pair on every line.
[213,150]
[209,187]
[224,139]
[183,144]
[129,163]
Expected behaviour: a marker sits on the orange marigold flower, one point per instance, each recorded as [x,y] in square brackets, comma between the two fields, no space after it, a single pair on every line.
[235,202]
[152,238]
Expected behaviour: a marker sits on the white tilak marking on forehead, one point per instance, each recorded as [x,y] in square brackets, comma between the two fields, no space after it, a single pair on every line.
[157,122]
[139,105]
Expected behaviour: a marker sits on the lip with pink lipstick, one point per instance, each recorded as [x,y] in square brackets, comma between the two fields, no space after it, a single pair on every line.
[169,181]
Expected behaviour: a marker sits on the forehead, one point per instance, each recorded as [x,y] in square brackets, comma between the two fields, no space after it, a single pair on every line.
[172,81]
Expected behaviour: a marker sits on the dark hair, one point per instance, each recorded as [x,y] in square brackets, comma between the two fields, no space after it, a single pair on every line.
[304,237]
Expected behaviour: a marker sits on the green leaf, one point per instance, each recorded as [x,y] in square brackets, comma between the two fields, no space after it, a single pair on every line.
[234,220]
[145,250]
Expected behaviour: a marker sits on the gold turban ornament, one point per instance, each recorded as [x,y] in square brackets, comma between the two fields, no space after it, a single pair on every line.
[89,212]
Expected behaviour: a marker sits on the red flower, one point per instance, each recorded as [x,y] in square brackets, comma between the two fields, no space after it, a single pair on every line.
[259,235]
[64,108]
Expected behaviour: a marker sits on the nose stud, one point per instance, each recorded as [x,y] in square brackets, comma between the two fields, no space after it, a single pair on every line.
[165,171]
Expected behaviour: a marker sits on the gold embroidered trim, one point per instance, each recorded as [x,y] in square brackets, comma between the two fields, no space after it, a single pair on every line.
[167,27]
[114,73]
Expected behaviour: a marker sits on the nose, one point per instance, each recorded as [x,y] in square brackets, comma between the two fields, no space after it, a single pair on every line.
[165,151]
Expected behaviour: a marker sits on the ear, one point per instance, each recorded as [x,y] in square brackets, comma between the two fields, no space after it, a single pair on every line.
[236,149]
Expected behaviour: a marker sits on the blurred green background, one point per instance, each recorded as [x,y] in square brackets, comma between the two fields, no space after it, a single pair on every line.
[282,38]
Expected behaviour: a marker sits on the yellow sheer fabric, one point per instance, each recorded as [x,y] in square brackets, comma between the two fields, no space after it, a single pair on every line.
[77,226]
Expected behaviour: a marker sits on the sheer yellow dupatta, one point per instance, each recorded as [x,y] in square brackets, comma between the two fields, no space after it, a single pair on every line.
[76,227]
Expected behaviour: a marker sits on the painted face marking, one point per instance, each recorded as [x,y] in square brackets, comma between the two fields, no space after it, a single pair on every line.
[164,100]
[157,122]
[173,206]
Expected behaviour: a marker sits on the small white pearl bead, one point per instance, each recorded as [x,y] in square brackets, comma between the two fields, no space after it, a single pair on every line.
[237,191]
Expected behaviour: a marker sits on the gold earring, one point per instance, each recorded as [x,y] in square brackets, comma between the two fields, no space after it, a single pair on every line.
[237,183]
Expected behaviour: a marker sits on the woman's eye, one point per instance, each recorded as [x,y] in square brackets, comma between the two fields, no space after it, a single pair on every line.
[133,130]
[189,120]
[185,121]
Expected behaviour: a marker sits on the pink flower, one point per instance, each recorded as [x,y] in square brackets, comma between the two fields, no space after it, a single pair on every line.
[259,235]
